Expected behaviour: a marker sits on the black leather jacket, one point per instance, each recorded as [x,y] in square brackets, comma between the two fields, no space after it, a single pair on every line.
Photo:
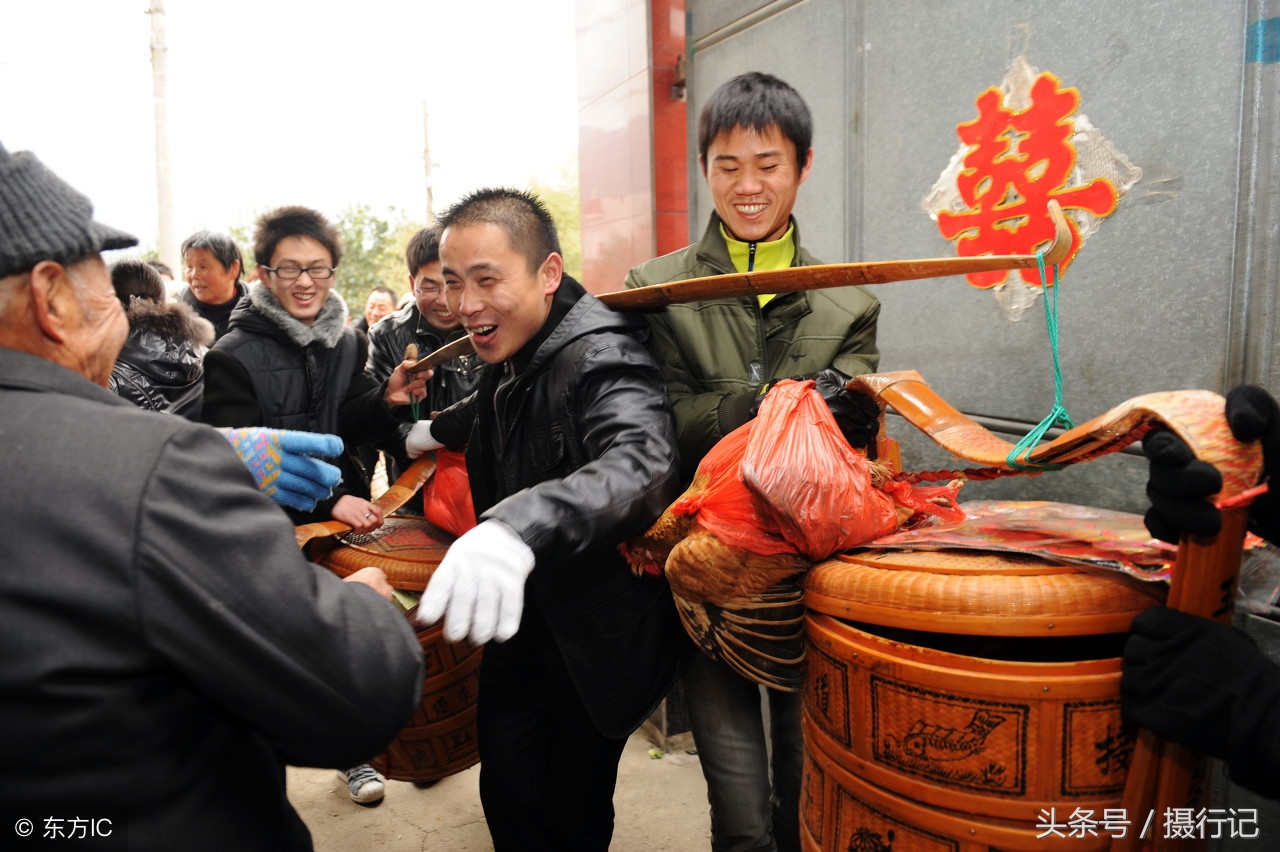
[453,381]
[160,367]
[572,445]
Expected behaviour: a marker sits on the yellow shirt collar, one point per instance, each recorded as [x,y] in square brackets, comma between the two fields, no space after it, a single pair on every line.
[775,254]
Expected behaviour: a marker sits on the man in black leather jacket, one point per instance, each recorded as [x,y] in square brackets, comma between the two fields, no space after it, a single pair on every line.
[570,451]
[426,322]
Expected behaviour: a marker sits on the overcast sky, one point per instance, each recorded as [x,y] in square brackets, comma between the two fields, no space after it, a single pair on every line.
[289,102]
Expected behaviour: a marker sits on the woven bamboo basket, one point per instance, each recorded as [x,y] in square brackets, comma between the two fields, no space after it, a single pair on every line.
[440,738]
[951,698]
[842,811]
[978,688]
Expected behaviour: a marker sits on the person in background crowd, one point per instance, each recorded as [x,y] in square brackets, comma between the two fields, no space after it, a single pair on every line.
[289,361]
[381,302]
[213,269]
[172,288]
[161,366]
[426,322]
[162,268]
[719,357]
[167,648]
[570,450]
[1192,680]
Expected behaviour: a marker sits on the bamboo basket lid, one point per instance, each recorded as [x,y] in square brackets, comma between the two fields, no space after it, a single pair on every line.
[407,548]
[976,592]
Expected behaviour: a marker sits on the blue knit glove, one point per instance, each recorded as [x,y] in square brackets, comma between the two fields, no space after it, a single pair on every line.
[284,464]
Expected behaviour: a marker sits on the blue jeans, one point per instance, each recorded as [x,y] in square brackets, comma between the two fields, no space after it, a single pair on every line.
[750,812]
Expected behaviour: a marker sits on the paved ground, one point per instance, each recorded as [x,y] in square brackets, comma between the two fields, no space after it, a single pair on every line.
[661,804]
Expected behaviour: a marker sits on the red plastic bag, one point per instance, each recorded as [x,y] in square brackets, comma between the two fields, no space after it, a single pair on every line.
[788,482]
[446,498]
[722,504]
[814,487]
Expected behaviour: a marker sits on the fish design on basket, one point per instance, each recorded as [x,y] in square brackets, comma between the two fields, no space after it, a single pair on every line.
[934,742]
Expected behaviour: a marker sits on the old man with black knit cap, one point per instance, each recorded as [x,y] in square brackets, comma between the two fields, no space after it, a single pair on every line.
[166,648]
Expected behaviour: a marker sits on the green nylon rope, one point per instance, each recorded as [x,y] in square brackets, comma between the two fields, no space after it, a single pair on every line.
[1057,416]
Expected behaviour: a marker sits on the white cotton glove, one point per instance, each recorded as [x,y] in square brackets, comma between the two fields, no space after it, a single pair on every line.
[479,585]
[419,440]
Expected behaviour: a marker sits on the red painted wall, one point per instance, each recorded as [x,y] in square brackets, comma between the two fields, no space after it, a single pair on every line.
[632,132]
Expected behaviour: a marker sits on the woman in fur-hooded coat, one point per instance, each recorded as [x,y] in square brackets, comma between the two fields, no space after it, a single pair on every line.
[161,365]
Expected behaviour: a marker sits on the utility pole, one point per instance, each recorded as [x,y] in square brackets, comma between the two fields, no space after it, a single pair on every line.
[426,165]
[167,243]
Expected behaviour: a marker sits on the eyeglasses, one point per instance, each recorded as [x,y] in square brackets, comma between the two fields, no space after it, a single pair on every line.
[288,273]
[425,290]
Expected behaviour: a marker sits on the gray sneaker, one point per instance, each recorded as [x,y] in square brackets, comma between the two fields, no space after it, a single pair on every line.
[365,784]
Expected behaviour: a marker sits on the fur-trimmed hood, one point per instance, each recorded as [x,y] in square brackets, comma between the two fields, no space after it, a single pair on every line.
[325,330]
[161,365]
[170,320]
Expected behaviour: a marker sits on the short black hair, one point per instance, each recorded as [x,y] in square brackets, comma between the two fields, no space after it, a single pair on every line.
[521,214]
[386,291]
[136,279]
[756,101]
[163,268]
[221,246]
[294,221]
[423,248]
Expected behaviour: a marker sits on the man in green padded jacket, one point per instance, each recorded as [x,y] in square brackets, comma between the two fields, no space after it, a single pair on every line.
[719,357]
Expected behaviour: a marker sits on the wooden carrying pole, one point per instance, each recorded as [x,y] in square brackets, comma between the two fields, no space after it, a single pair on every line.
[413,478]
[797,278]
[1163,775]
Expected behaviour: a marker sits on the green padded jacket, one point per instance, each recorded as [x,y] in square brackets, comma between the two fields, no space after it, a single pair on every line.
[716,353]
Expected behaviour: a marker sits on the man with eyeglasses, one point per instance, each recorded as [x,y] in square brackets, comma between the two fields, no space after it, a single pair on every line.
[428,323]
[290,361]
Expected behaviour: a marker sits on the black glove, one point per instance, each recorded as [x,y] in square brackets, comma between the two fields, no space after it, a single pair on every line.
[856,413]
[1207,686]
[1253,415]
[1177,486]
[1179,483]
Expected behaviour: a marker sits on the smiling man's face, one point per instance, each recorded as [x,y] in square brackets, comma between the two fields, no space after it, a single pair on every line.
[501,302]
[753,178]
[304,296]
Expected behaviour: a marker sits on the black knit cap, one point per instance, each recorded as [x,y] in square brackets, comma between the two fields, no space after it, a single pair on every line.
[42,218]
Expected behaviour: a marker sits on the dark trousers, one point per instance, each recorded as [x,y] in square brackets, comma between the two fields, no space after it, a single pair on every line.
[755,806]
[546,773]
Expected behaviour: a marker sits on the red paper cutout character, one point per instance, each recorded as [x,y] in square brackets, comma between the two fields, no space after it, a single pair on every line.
[1017,161]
